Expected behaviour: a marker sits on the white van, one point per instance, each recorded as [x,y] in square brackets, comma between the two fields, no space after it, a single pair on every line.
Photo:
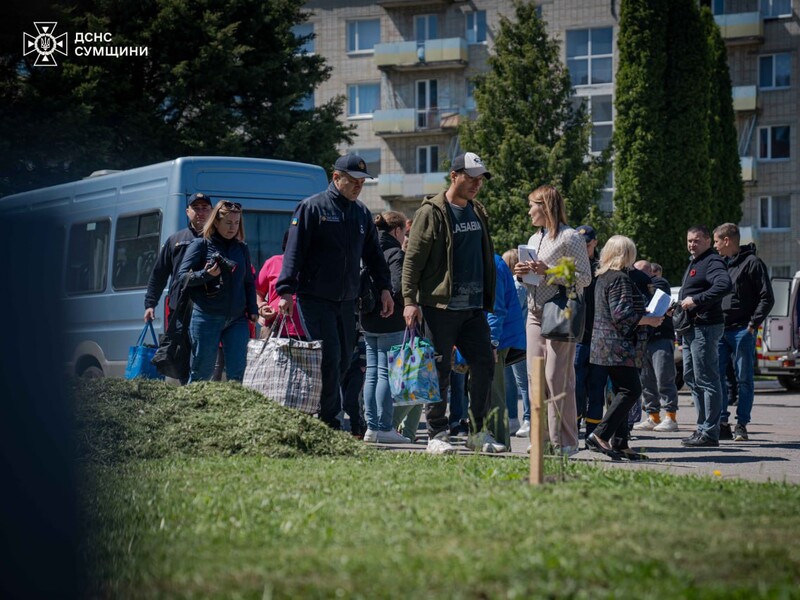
[778,345]
[111,226]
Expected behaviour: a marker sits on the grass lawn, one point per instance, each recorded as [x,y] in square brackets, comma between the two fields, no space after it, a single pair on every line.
[209,491]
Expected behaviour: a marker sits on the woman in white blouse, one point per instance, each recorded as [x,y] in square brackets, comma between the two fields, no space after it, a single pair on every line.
[554,240]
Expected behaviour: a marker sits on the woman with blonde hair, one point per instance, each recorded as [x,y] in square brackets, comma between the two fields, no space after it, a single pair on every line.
[222,287]
[554,240]
[618,342]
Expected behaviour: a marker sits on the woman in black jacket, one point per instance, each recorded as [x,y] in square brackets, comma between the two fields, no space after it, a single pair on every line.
[380,334]
[222,287]
[618,342]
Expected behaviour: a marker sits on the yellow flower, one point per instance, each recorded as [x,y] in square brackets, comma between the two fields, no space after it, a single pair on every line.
[717,473]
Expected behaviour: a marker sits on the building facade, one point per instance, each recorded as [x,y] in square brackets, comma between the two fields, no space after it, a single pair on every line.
[405,67]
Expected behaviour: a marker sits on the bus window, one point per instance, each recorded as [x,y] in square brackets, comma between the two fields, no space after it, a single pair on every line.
[135,249]
[87,257]
[264,234]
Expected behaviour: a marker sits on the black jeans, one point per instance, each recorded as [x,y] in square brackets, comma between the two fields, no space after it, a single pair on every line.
[334,323]
[627,388]
[469,330]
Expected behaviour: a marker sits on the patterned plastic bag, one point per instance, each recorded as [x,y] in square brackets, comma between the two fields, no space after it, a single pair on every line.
[413,378]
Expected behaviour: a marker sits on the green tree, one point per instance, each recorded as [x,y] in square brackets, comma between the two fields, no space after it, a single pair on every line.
[727,190]
[527,130]
[221,77]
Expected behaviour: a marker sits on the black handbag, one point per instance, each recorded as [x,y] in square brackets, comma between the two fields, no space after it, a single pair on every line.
[681,320]
[564,317]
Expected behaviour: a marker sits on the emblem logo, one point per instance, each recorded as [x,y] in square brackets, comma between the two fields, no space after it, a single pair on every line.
[45,44]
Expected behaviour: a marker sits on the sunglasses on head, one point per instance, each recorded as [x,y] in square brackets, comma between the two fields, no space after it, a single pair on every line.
[231,205]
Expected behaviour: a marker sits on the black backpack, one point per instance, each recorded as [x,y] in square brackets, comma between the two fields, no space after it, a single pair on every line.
[369,297]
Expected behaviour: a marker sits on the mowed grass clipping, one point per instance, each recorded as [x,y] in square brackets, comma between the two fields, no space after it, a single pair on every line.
[120,420]
[183,497]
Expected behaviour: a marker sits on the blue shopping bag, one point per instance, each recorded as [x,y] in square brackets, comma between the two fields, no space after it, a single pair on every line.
[413,378]
[140,355]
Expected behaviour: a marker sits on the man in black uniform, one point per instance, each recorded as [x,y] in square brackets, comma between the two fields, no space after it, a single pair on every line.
[330,234]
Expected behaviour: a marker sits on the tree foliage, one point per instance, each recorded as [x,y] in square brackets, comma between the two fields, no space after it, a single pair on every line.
[527,130]
[222,77]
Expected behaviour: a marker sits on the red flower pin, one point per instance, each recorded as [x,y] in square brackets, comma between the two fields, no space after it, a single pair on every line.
[692,273]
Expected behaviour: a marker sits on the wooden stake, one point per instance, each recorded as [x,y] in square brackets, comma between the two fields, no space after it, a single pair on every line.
[537,420]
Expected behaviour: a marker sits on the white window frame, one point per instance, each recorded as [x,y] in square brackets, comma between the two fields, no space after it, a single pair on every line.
[769,156]
[358,114]
[431,166]
[772,213]
[358,49]
[421,37]
[768,6]
[471,32]
[774,57]
[590,56]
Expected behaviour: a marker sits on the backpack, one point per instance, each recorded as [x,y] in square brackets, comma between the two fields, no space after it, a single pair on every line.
[368,295]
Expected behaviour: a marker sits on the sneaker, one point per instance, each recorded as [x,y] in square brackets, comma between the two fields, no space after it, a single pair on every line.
[694,436]
[524,430]
[740,433]
[667,424]
[392,437]
[725,431]
[460,429]
[702,441]
[649,424]
[484,442]
[371,436]
[513,426]
[440,445]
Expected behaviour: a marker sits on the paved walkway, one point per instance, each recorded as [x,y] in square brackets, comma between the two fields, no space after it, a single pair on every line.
[772,454]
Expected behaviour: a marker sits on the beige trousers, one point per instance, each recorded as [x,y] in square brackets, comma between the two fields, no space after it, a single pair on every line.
[559,375]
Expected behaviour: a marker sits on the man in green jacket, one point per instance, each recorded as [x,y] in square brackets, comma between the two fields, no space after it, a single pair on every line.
[449,278]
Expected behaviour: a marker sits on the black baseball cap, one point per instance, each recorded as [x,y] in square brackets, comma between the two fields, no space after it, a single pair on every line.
[471,164]
[353,165]
[588,232]
[198,197]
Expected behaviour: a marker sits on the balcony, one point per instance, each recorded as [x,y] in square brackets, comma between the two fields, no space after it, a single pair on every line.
[748,168]
[411,3]
[431,54]
[745,98]
[741,27]
[416,185]
[410,121]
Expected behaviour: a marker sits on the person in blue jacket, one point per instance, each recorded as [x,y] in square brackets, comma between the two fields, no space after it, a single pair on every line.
[329,235]
[222,287]
[507,329]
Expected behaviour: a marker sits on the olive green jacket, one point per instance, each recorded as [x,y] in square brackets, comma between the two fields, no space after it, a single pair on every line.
[428,266]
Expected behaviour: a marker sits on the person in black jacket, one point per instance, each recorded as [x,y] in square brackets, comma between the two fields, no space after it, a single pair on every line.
[329,235]
[745,309]
[381,334]
[198,207]
[705,284]
[222,287]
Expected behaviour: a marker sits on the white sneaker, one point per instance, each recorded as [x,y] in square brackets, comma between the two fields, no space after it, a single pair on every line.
[483,441]
[525,430]
[667,424]
[647,425]
[439,445]
[513,426]
[371,436]
[391,437]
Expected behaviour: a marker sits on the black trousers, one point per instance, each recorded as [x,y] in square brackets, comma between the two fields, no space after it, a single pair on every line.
[627,389]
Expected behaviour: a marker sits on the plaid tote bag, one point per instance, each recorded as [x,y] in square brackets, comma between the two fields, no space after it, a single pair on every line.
[286,370]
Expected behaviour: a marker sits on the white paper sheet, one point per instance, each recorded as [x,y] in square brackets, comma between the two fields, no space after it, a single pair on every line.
[659,304]
[527,253]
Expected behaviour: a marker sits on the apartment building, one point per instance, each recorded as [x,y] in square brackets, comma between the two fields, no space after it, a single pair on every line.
[405,68]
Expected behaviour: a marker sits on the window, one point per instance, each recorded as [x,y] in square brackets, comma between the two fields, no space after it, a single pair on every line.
[135,250]
[773,142]
[363,99]
[602,122]
[306,102]
[776,8]
[782,271]
[426,27]
[427,159]
[363,35]
[775,212]
[774,71]
[428,104]
[470,102]
[87,257]
[371,156]
[589,53]
[476,27]
[718,7]
[606,203]
[301,31]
